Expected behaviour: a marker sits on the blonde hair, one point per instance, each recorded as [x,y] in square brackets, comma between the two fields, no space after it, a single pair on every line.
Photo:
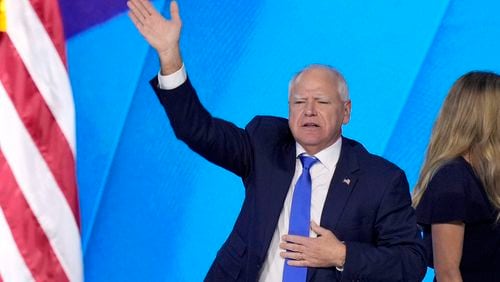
[468,125]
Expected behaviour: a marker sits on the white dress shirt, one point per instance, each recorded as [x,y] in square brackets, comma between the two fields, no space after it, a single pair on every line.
[321,176]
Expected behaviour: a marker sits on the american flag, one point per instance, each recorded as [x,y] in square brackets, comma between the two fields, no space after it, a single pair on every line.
[39,215]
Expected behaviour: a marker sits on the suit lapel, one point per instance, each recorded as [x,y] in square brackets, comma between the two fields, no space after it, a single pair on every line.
[343,183]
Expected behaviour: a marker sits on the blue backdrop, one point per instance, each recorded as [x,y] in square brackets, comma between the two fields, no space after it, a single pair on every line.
[148,202]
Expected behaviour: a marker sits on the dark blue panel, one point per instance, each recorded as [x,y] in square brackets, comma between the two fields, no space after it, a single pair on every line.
[79,15]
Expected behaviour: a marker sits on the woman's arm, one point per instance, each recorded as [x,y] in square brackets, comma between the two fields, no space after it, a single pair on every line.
[447,243]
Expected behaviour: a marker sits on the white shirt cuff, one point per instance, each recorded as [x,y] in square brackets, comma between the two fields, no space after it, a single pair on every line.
[171,81]
[341,268]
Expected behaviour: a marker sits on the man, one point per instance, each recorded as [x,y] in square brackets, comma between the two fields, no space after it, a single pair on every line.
[359,224]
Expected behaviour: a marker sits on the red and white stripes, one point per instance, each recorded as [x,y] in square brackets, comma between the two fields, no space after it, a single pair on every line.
[39,215]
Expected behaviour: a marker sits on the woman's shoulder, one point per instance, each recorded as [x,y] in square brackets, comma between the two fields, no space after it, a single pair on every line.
[452,177]
[453,193]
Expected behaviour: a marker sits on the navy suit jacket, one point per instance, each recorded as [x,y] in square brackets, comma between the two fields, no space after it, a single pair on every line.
[371,212]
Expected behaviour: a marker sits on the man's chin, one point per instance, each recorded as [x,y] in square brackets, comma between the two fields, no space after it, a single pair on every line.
[308,143]
[309,139]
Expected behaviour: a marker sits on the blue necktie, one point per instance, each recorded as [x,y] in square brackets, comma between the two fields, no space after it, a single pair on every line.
[300,216]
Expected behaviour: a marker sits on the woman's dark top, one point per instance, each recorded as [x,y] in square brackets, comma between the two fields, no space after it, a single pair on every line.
[455,193]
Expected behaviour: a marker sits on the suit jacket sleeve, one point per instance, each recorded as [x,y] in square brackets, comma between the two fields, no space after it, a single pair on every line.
[217,140]
[398,253]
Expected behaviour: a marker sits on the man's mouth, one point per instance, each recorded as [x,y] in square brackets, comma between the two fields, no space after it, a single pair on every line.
[310,125]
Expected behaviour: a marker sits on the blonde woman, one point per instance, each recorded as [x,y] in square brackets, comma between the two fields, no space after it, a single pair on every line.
[457,197]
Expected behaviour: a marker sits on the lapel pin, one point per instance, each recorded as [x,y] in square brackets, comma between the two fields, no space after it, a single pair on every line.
[346,181]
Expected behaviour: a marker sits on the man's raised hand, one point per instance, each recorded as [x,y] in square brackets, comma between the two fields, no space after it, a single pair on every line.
[161,33]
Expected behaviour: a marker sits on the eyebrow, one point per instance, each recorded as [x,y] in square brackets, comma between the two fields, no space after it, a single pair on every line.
[298,97]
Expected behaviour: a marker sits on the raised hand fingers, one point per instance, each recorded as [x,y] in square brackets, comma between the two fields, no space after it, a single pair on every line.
[136,17]
[146,6]
[137,9]
[174,12]
[137,22]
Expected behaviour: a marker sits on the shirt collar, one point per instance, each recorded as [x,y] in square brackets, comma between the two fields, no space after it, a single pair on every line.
[328,156]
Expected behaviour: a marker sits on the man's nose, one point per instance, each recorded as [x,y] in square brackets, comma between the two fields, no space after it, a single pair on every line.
[310,109]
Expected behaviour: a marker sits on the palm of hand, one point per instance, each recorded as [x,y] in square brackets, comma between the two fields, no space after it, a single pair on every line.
[161,33]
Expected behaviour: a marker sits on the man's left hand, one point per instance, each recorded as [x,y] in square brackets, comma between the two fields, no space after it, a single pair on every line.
[323,251]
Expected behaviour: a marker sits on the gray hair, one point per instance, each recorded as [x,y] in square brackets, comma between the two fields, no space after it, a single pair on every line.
[341,83]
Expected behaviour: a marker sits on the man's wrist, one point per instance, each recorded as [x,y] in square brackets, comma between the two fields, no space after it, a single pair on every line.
[343,251]
[170,61]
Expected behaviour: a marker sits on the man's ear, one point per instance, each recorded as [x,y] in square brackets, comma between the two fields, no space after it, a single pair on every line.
[347,112]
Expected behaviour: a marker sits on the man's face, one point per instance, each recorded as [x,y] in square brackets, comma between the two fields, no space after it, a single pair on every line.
[316,111]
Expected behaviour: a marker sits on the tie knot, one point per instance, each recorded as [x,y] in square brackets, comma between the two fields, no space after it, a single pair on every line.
[307,161]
